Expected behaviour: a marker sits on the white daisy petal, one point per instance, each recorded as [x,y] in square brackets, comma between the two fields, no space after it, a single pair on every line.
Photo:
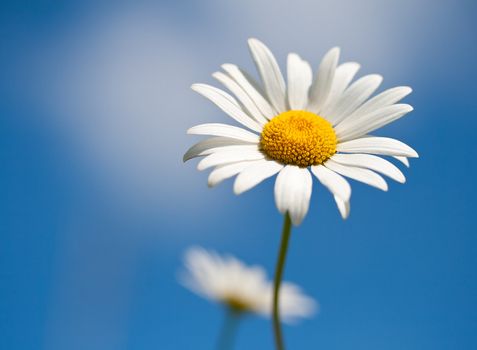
[403,160]
[343,207]
[385,98]
[299,81]
[343,75]
[224,172]
[336,183]
[352,98]
[228,104]
[378,145]
[293,191]
[250,86]
[359,174]
[270,73]
[372,121]
[205,147]
[254,174]
[224,130]
[243,97]
[321,87]
[371,162]
[230,155]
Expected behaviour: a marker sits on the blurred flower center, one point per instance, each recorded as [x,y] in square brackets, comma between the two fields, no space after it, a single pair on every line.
[237,304]
[298,138]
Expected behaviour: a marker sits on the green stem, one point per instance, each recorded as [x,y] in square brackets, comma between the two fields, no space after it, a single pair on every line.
[277,329]
[228,330]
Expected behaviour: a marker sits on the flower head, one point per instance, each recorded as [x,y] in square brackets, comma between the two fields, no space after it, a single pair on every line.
[316,126]
[242,288]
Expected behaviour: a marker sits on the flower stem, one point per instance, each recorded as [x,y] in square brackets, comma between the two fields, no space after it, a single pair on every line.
[228,330]
[277,330]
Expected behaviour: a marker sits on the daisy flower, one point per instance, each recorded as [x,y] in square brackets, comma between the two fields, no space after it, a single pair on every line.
[317,125]
[241,288]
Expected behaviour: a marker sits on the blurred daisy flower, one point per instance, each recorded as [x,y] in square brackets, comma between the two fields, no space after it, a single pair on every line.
[242,289]
[316,126]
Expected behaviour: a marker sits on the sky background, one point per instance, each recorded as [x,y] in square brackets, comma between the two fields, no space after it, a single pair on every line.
[97,208]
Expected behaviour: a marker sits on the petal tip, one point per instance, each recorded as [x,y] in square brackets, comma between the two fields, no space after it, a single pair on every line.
[191,130]
[237,187]
[196,87]
[379,78]
[296,223]
[253,41]
[293,55]
[353,64]
[201,166]
[236,190]
[335,50]
[296,220]
[226,66]
[407,89]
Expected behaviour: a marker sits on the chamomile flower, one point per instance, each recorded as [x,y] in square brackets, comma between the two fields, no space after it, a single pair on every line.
[241,288]
[310,125]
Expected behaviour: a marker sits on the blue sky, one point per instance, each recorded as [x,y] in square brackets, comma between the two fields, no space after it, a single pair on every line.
[97,207]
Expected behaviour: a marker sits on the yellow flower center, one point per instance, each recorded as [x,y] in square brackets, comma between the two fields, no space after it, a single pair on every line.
[299,138]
